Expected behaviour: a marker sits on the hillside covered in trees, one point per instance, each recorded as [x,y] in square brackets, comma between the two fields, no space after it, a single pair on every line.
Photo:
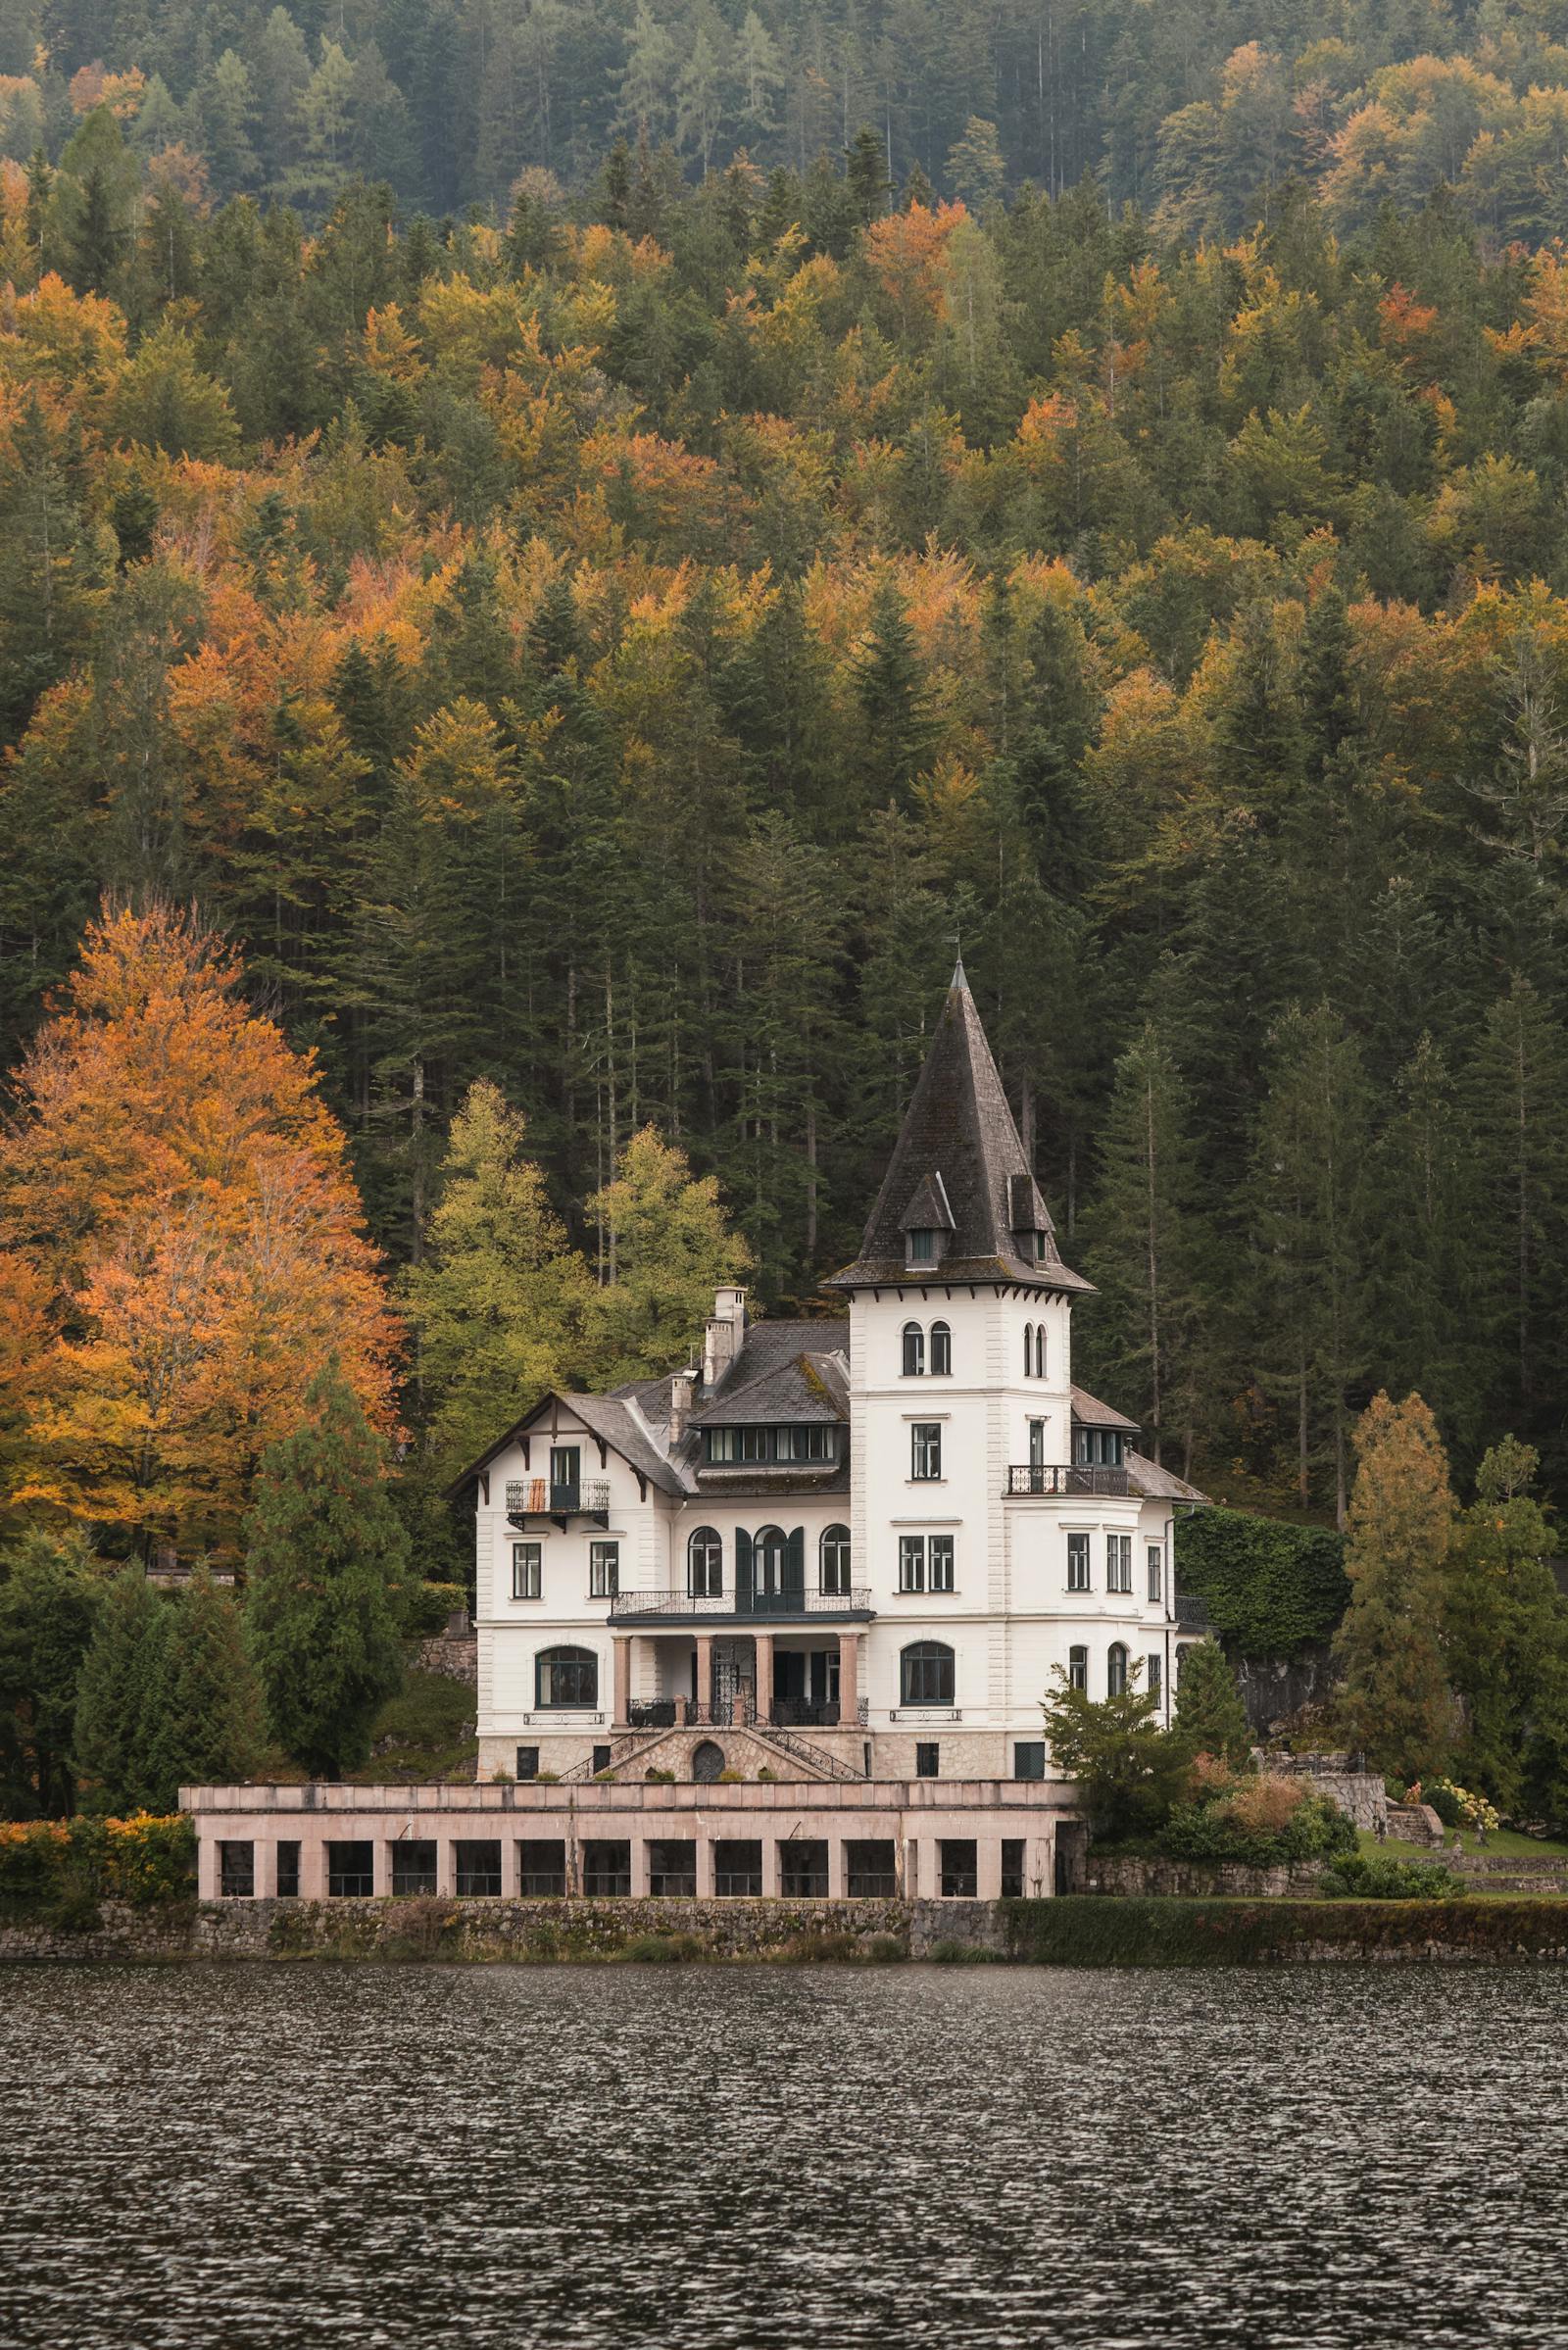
[614,640]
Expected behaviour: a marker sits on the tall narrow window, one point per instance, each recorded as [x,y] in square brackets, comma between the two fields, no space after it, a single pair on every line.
[1078,1668]
[939,1561]
[525,1571]
[1040,1349]
[1153,1674]
[913,1350]
[912,1562]
[1119,1562]
[925,1450]
[940,1351]
[1156,1564]
[1028,1349]
[926,1674]
[836,1561]
[923,1247]
[1077,1562]
[705,1563]
[604,1570]
[1115,1669]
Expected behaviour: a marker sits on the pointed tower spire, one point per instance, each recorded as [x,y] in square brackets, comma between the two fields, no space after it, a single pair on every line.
[959,1201]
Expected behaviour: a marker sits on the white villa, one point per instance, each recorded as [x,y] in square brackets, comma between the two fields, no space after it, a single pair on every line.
[852,1547]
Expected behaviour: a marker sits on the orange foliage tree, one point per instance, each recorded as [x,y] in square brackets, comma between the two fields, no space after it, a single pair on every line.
[179,1229]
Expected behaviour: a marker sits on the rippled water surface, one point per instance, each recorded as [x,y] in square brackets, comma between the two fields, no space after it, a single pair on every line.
[586,2158]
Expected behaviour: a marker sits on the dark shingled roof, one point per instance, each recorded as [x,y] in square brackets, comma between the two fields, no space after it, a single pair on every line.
[612,1417]
[785,1372]
[1154,1484]
[959,1129]
[1090,1412]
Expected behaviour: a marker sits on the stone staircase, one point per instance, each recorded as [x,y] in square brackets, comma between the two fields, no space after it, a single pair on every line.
[757,1744]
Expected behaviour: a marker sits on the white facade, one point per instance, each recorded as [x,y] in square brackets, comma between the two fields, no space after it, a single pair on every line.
[907,1518]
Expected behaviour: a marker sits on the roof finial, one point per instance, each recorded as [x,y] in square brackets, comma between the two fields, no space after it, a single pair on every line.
[958,978]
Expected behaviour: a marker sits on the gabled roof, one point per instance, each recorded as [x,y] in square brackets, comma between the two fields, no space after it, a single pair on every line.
[1154,1484]
[615,1419]
[786,1372]
[958,1132]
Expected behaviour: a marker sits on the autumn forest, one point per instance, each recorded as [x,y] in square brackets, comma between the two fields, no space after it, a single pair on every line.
[555,563]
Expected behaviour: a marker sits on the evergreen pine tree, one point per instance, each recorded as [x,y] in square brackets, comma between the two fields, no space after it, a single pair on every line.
[1394,1701]
[894,696]
[1210,1718]
[120,1698]
[48,1608]
[209,1730]
[325,1571]
[865,173]
[1505,1638]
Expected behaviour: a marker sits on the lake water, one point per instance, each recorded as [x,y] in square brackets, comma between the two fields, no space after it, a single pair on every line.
[606,2158]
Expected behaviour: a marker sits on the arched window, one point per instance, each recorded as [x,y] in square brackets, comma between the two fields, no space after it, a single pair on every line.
[1115,1669]
[769,1549]
[940,1351]
[1040,1349]
[913,1350]
[926,1674]
[836,1560]
[565,1677]
[705,1564]
[1028,1349]
[1078,1668]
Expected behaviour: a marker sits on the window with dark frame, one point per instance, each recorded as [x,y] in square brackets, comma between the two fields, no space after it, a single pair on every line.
[912,1562]
[940,1351]
[478,1867]
[926,1671]
[922,1246]
[913,1350]
[351,1871]
[958,1875]
[542,1869]
[606,1869]
[925,1451]
[738,1868]
[236,1870]
[1153,1673]
[599,1760]
[1078,1669]
[870,1866]
[939,1562]
[1115,1669]
[526,1570]
[604,1570]
[673,1867]
[803,1867]
[705,1564]
[565,1677]
[1013,1873]
[527,1762]
[1029,1758]
[1119,1562]
[414,1863]
[288,1871]
[1156,1571]
[927,1758]
[1077,1562]
[835,1562]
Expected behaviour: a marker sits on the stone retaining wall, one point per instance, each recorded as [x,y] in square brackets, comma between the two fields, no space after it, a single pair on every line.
[456,1655]
[1197,1879]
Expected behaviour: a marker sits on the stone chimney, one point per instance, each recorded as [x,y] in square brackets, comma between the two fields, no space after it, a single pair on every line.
[681,1405]
[725,1336]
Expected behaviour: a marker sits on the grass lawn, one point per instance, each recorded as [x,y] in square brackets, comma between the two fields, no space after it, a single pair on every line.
[432,1722]
[1503,1843]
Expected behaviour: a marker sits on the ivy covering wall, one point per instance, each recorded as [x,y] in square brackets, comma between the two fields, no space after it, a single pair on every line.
[1271,1589]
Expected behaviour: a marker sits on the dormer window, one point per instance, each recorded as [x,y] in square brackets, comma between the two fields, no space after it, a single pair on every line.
[923,1247]
[927,1225]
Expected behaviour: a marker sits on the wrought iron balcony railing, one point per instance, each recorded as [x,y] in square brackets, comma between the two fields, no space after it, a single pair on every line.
[542,1498]
[1063,1477]
[690,1607]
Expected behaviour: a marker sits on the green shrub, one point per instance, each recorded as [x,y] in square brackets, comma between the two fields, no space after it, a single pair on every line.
[884,1949]
[428,1605]
[1272,1589]
[664,1949]
[659,1777]
[1359,1877]
[1262,1822]
[1444,1801]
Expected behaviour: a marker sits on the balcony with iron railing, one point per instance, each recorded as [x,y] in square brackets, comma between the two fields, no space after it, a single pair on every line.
[786,1605]
[542,1498]
[1053,1479]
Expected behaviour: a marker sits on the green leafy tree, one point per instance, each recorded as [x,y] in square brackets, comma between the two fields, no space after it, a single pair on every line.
[1127,1769]
[499,1299]
[120,1698]
[1396,1704]
[48,1608]
[209,1730]
[671,1246]
[1505,1639]
[325,1568]
[1210,1718]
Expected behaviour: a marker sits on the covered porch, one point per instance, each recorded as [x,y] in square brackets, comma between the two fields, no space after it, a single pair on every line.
[799,1680]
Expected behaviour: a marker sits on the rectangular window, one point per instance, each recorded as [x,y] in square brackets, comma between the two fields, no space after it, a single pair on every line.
[938,1556]
[673,1867]
[606,1870]
[912,1562]
[1077,1562]
[1154,1571]
[478,1866]
[1078,1668]
[1152,1678]
[542,1869]
[601,1760]
[737,1869]
[925,1450]
[923,1247]
[236,1870]
[1029,1758]
[525,1570]
[1012,1868]
[959,1874]
[806,1443]
[350,1871]
[604,1570]
[288,1872]
[1119,1562]
[927,1757]
[871,1869]
[803,1867]
[412,1866]
[527,1762]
